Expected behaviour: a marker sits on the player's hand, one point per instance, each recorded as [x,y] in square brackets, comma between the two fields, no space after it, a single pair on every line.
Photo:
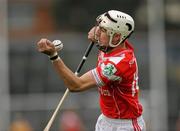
[47,47]
[93,34]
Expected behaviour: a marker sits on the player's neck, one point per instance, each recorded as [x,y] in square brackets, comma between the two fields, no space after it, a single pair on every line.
[121,46]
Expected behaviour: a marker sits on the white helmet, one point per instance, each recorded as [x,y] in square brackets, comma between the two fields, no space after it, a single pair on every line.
[116,22]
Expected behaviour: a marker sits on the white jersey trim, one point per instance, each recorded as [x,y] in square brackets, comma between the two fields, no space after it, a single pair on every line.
[116,59]
[97,78]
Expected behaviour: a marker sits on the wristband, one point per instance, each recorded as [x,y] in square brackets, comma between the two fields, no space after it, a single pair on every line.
[55,58]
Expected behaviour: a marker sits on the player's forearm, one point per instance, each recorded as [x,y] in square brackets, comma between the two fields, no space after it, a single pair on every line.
[72,81]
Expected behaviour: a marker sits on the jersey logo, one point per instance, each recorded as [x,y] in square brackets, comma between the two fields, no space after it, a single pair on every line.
[109,70]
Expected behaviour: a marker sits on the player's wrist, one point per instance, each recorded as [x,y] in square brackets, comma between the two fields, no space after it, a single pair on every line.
[58,46]
[54,57]
[53,54]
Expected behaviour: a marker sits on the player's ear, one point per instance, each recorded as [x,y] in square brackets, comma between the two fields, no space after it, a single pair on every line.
[116,38]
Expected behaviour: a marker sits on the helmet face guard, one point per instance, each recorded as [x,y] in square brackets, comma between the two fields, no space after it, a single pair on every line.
[116,22]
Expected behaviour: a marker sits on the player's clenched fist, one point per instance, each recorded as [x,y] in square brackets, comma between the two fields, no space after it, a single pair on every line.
[47,47]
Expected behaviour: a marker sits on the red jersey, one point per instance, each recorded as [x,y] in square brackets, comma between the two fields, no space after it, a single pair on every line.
[116,76]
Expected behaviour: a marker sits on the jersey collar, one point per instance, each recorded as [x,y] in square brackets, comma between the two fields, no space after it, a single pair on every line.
[117,50]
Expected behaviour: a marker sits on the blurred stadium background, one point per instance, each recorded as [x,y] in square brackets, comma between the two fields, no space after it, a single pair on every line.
[30,89]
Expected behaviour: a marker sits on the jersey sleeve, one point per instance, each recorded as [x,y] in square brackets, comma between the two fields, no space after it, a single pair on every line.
[107,71]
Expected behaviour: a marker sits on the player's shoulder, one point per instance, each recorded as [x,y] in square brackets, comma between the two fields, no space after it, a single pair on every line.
[115,60]
[122,57]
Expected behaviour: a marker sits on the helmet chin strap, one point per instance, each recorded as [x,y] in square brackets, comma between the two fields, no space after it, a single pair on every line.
[104,49]
[110,45]
[108,48]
